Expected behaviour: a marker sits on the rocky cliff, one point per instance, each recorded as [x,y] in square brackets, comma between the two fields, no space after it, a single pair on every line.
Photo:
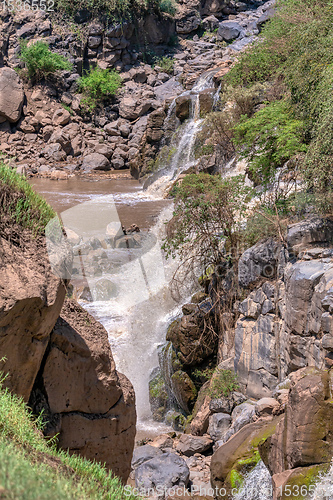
[46,128]
[58,358]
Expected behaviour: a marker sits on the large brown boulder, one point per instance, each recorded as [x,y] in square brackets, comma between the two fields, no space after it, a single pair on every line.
[240,453]
[304,436]
[11,95]
[90,405]
[31,298]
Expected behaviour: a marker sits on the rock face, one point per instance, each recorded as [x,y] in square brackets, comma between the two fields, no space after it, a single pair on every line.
[286,323]
[90,404]
[11,95]
[31,298]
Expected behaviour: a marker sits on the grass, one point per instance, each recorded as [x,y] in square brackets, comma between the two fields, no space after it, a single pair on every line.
[294,56]
[31,467]
[20,203]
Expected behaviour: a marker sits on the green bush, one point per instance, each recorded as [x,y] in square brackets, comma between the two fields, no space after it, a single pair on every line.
[98,86]
[41,62]
[166,63]
[270,138]
[223,383]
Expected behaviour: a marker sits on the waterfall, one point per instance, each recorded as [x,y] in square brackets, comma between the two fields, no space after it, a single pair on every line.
[257,484]
[183,140]
[323,489]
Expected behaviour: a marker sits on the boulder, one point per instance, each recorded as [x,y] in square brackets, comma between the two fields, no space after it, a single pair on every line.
[184,390]
[94,404]
[162,472]
[304,435]
[219,423]
[189,445]
[183,105]
[11,95]
[162,442]
[61,117]
[266,406]
[31,298]
[144,453]
[229,30]
[239,454]
[95,161]
[54,152]
[60,137]
[261,260]
[309,233]
[131,109]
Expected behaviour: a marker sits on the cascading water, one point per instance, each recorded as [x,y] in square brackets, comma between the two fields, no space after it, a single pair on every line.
[323,489]
[257,484]
[183,140]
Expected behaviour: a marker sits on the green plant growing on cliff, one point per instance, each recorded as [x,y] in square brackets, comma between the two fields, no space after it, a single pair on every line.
[40,61]
[31,466]
[165,63]
[98,86]
[270,138]
[20,204]
[223,383]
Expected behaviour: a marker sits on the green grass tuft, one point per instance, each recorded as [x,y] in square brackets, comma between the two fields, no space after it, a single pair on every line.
[21,203]
[31,467]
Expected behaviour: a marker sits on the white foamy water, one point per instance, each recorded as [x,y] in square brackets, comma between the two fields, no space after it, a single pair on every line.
[257,485]
[138,317]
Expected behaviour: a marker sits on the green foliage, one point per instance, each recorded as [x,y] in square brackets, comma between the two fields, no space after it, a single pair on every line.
[295,49]
[40,61]
[117,10]
[98,86]
[166,63]
[31,467]
[205,219]
[21,203]
[269,138]
[223,383]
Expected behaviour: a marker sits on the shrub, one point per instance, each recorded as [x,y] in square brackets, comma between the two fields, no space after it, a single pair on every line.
[270,138]
[117,10]
[99,85]
[205,220]
[41,62]
[166,63]
[223,383]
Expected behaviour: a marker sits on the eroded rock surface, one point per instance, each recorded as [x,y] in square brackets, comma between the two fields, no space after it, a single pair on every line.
[91,405]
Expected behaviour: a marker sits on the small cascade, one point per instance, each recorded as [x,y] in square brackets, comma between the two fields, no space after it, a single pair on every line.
[324,488]
[257,484]
[183,140]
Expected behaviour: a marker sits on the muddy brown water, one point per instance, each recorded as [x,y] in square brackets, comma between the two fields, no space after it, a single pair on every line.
[133,204]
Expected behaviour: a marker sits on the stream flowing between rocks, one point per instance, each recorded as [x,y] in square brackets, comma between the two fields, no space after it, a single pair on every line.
[138,313]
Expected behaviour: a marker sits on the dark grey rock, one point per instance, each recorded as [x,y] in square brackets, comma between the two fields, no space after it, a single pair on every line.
[219,423]
[229,30]
[143,454]
[163,471]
